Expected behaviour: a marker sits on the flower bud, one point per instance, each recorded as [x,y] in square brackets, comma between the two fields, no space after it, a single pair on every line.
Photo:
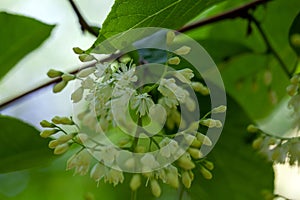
[174,61]
[210,123]
[219,109]
[186,179]
[68,77]
[172,179]
[62,148]
[257,143]
[77,50]
[155,188]
[252,129]
[135,182]
[54,73]
[184,75]
[62,120]
[209,165]
[53,144]
[206,174]
[292,89]
[185,162]
[204,139]
[47,133]
[199,87]
[65,138]
[295,39]
[170,37]
[183,50]
[295,79]
[195,153]
[86,57]
[58,87]
[46,124]
[86,72]
[125,59]
[77,95]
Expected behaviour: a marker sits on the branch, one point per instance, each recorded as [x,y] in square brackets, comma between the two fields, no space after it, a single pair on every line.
[270,48]
[84,25]
[241,11]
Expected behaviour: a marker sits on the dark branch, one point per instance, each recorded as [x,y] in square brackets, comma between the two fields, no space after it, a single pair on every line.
[84,25]
[241,11]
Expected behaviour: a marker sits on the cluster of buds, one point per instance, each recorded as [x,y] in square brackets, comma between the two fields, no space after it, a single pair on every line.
[277,149]
[113,102]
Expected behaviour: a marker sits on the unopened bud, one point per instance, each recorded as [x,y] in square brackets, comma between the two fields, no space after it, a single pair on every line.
[174,61]
[53,144]
[67,77]
[155,188]
[195,153]
[295,40]
[125,59]
[185,162]
[170,37]
[58,87]
[46,124]
[295,79]
[47,133]
[292,89]
[219,109]
[77,50]
[199,87]
[204,139]
[135,182]
[86,58]
[252,129]
[52,73]
[206,174]
[209,165]
[65,138]
[62,148]
[183,50]
[62,120]
[186,179]
[257,143]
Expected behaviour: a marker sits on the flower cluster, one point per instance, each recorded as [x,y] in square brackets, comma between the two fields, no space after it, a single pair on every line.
[121,115]
[275,148]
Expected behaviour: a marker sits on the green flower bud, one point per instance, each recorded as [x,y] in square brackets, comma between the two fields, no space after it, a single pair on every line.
[86,58]
[257,143]
[155,188]
[46,124]
[68,77]
[135,182]
[65,138]
[206,174]
[59,86]
[195,153]
[170,37]
[295,39]
[204,139]
[53,144]
[174,61]
[62,120]
[209,165]
[77,50]
[183,50]
[219,109]
[60,149]
[54,73]
[186,179]
[199,87]
[47,133]
[86,72]
[125,59]
[185,162]
[295,79]
[252,129]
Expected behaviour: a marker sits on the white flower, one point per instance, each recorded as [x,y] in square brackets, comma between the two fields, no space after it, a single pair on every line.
[149,163]
[142,102]
[114,176]
[109,154]
[80,161]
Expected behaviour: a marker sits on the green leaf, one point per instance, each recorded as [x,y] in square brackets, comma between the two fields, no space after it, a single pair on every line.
[294,35]
[239,173]
[129,14]
[21,146]
[21,36]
